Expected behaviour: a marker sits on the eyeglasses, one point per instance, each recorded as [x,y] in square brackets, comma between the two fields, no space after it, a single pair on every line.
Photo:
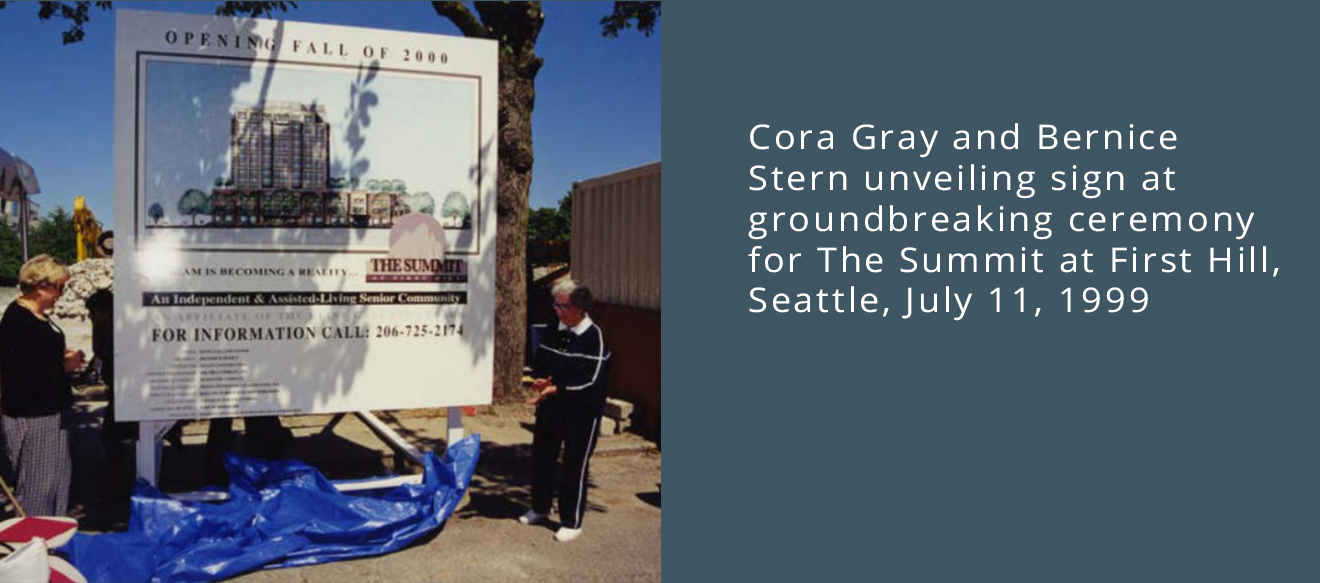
[559,306]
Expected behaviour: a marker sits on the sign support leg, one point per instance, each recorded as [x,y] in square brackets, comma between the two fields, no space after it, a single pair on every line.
[454,425]
[150,434]
[391,438]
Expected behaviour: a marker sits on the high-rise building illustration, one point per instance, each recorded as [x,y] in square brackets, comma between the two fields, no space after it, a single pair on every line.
[281,145]
[280,175]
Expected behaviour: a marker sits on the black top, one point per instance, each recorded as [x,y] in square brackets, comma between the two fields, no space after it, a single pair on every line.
[576,364]
[32,378]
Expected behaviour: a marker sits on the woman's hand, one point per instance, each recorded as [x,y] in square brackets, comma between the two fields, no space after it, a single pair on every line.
[74,360]
[543,389]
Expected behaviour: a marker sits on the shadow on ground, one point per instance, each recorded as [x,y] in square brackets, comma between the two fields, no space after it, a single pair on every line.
[501,488]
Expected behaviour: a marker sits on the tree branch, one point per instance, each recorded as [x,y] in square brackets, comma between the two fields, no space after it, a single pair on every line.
[645,14]
[77,13]
[515,24]
[253,9]
[463,18]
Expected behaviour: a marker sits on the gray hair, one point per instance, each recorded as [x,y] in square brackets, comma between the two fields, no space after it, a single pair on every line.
[578,295]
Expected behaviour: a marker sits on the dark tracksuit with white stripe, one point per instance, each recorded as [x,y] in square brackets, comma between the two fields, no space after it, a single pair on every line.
[574,360]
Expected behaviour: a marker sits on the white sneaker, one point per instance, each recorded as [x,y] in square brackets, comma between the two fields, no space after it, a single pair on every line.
[565,534]
[532,517]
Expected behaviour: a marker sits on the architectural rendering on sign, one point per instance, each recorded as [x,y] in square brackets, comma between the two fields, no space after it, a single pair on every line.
[280,177]
[305,150]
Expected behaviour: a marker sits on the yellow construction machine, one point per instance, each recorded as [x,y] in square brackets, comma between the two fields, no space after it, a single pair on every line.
[89,230]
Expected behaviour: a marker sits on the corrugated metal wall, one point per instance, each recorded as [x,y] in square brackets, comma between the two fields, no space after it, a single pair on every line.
[616,236]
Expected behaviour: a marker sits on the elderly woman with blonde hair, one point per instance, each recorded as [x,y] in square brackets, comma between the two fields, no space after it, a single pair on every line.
[35,392]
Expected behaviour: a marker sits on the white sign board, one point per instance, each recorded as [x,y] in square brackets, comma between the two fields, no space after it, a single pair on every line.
[306,216]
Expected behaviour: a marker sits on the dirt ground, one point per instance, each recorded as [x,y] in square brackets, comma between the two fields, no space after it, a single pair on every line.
[482,541]
[485,542]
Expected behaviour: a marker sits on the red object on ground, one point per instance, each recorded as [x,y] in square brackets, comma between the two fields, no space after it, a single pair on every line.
[63,572]
[54,530]
[59,577]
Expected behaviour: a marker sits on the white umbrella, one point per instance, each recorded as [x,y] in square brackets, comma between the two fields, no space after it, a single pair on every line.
[17,182]
[8,175]
[28,177]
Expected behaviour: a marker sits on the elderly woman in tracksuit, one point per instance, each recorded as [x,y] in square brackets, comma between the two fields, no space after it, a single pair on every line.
[569,381]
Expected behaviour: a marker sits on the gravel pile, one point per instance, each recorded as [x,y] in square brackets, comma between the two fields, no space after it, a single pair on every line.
[85,277]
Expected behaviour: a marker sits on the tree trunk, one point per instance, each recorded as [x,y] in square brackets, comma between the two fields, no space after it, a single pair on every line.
[517,98]
[516,26]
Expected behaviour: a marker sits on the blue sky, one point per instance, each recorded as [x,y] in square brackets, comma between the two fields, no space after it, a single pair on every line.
[597,99]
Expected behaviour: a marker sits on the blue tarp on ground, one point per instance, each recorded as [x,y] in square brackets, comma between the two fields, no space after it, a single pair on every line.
[280,514]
